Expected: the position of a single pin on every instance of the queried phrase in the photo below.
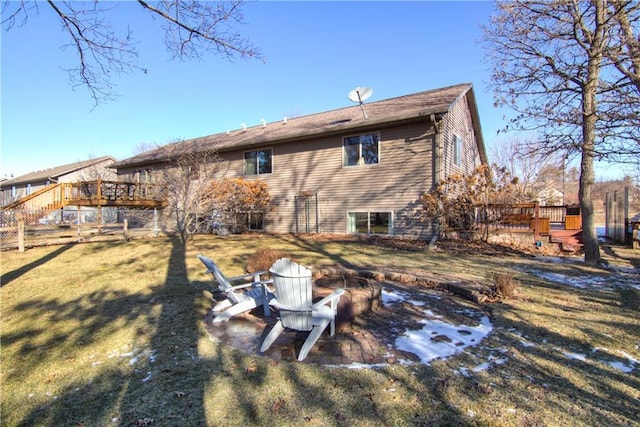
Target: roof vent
(264, 122)
(244, 126)
(339, 122)
(284, 121)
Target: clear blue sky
(316, 52)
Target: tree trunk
(589, 236)
(589, 119)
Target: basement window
(369, 223)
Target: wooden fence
(22, 229)
(617, 225)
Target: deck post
(155, 223)
(78, 219)
(21, 235)
(125, 228)
(99, 219)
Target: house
(548, 196)
(16, 188)
(359, 169)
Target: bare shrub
(263, 259)
(505, 286)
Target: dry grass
(264, 258)
(111, 333)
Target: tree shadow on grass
(152, 381)
(168, 392)
(7, 278)
(168, 383)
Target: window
(258, 162)
(457, 150)
(13, 191)
(251, 221)
(142, 176)
(361, 150)
(28, 189)
(369, 222)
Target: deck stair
(568, 240)
(88, 193)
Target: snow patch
(438, 339)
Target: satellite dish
(359, 95)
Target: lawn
(112, 333)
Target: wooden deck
(552, 223)
(97, 193)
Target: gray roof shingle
(53, 173)
(397, 109)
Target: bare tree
(515, 157)
(185, 182)
(192, 29)
(143, 147)
(559, 65)
(456, 202)
(98, 171)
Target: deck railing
(90, 193)
(526, 217)
(113, 191)
(50, 197)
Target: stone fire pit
(406, 328)
(361, 295)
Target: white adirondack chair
(238, 302)
(294, 289)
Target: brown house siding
(458, 122)
(308, 160)
(404, 172)
(315, 166)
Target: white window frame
(457, 150)
(360, 161)
(257, 173)
(249, 217)
(353, 229)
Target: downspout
(438, 171)
(438, 150)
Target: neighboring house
(341, 171)
(16, 188)
(549, 196)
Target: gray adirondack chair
(256, 292)
(294, 291)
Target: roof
(394, 110)
(54, 172)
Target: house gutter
(303, 134)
